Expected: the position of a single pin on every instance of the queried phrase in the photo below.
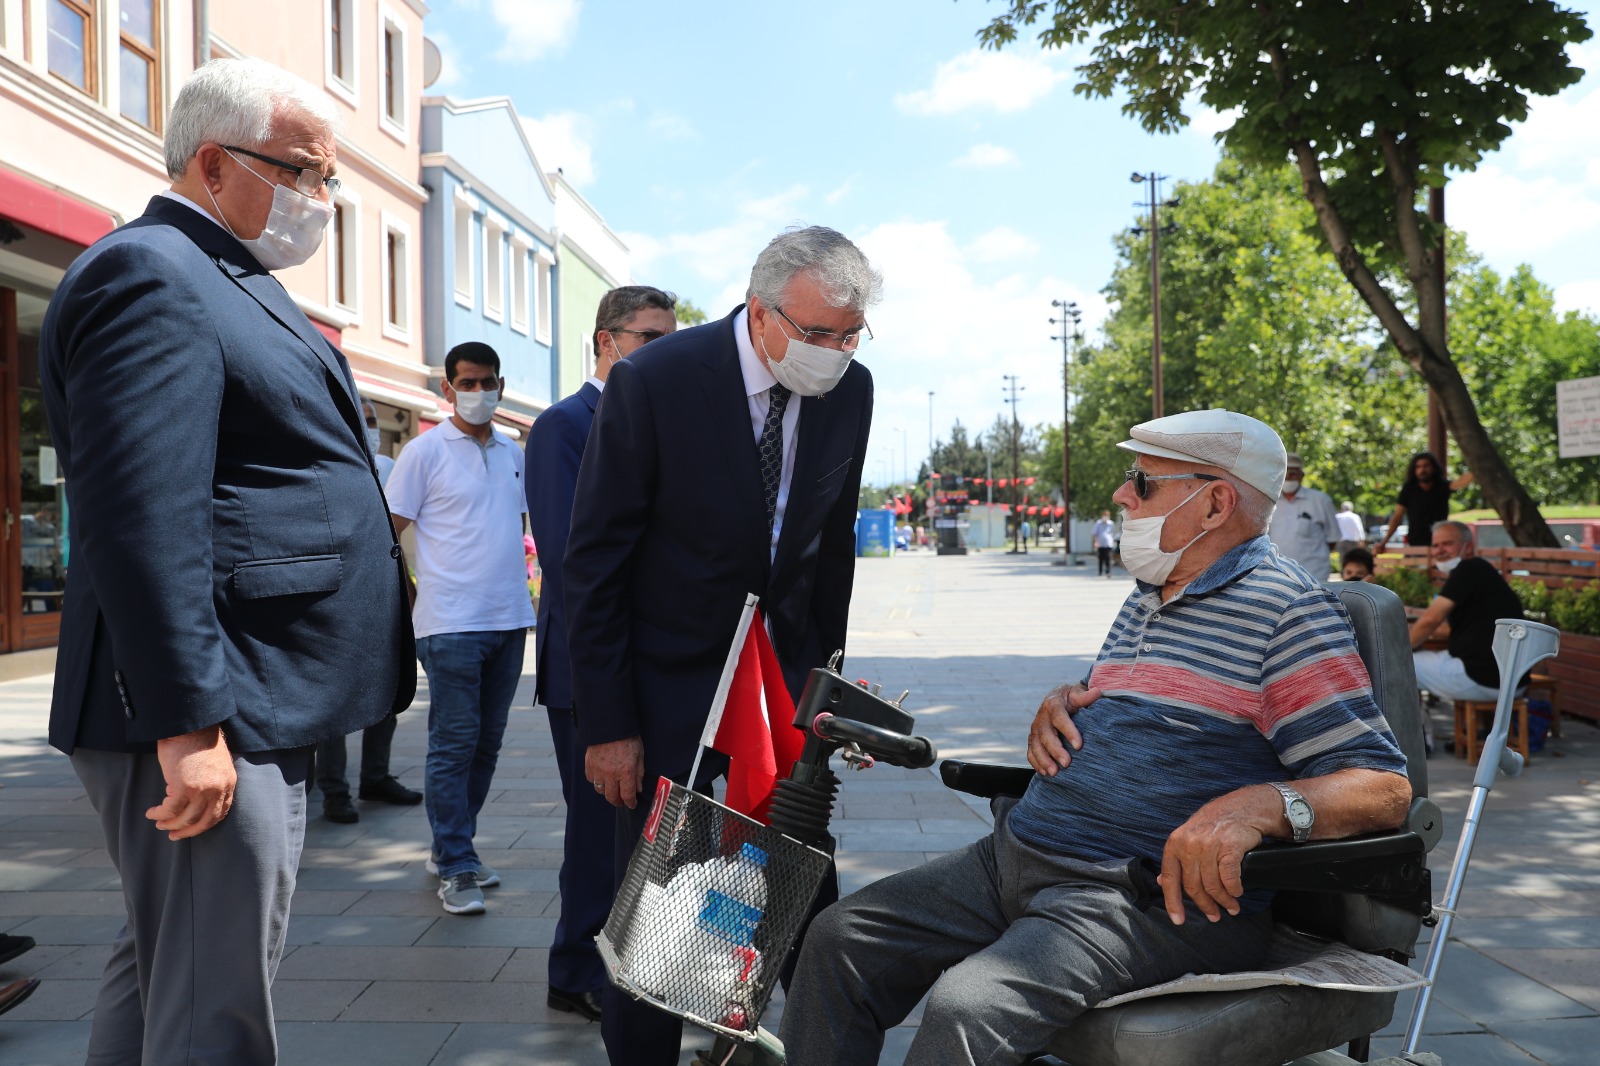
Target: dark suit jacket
(555, 448)
(669, 533)
(232, 557)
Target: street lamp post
(1152, 182)
(1019, 546)
(1069, 312)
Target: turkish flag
(757, 731)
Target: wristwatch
(1299, 813)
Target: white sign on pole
(1578, 417)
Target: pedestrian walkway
(375, 972)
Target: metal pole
(1016, 504)
(1156, 399)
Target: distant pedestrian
(627, 318)
(1424, 500)
(1357, 564)
(1352, 534)
(1303, 524)
(1105, 539)
(377, 783)
(236, 595)
(461, 483)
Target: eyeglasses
(307, 180)
(648, 334)
(1141, 480)
(848, 341)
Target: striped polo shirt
(1249, 675)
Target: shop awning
(52, 211)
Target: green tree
(688, 313)
(1373, 103)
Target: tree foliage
(1373, 102)
(688, 314)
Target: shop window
(71, 51)
(139, 62)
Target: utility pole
(930, 429)
(1018, 545)
(1069, 311)
(1152, 182)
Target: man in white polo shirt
(461, 485)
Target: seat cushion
(1258, 1027)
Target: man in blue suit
(628, 317)
(236, 592)
(724, 460)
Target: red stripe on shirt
(1162, 682)
(1339, 677)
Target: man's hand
(200, 780)
(616, 770)
(1053, 731)
(1205, 855)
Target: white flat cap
(1245, 447)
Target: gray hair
(843, 273)
(1460, 527)
(618, 306)
(242, 102)
(1255, 505)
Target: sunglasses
(1141, 480)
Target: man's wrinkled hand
(200, 780)
(1053, 731)
(616, 770)
(1204, 858)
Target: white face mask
(1291, 487)
(1141, 545)
(807, 369)
(1449, 564)
(373, 439)
(294, 228)
(477, 407)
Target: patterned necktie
(771, 450)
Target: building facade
(488, 235)
(592, 260)
(84, 89)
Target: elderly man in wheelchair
(1228, 707)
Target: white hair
(842, 272)
(1255, 505)
(242, 102)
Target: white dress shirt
(758, 382)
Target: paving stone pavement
(376, 973)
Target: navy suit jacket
(555, 448)
(233, 562)
(669, 533)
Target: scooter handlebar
(913, 753)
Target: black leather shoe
(340, 809)
(16, 992)
(12, 946)
(584, 1003)
(390, 790)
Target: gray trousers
(189, 980)
(1014, 943)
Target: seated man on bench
(1228, 705)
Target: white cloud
(1513, 215)
(1581, 296)
(452, 70)
(1002, 243)
(839, 193)
(719, 257)
(987, 155)
(561, 141)
(535, 27)
(1012, 80)
(671, 127)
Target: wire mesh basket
(709, 907)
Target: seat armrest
(1391, 866)
(985, 779)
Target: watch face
(1300, 815)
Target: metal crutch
(1518, 647)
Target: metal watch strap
(1290, 795)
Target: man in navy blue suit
(724, 460)
(236, 593)
(627, 318)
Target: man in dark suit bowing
(724, 460)
(236, 592)
(628, 317)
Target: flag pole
(719, 700)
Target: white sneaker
(488, 876)
(461, 894)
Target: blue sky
(978, 182)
